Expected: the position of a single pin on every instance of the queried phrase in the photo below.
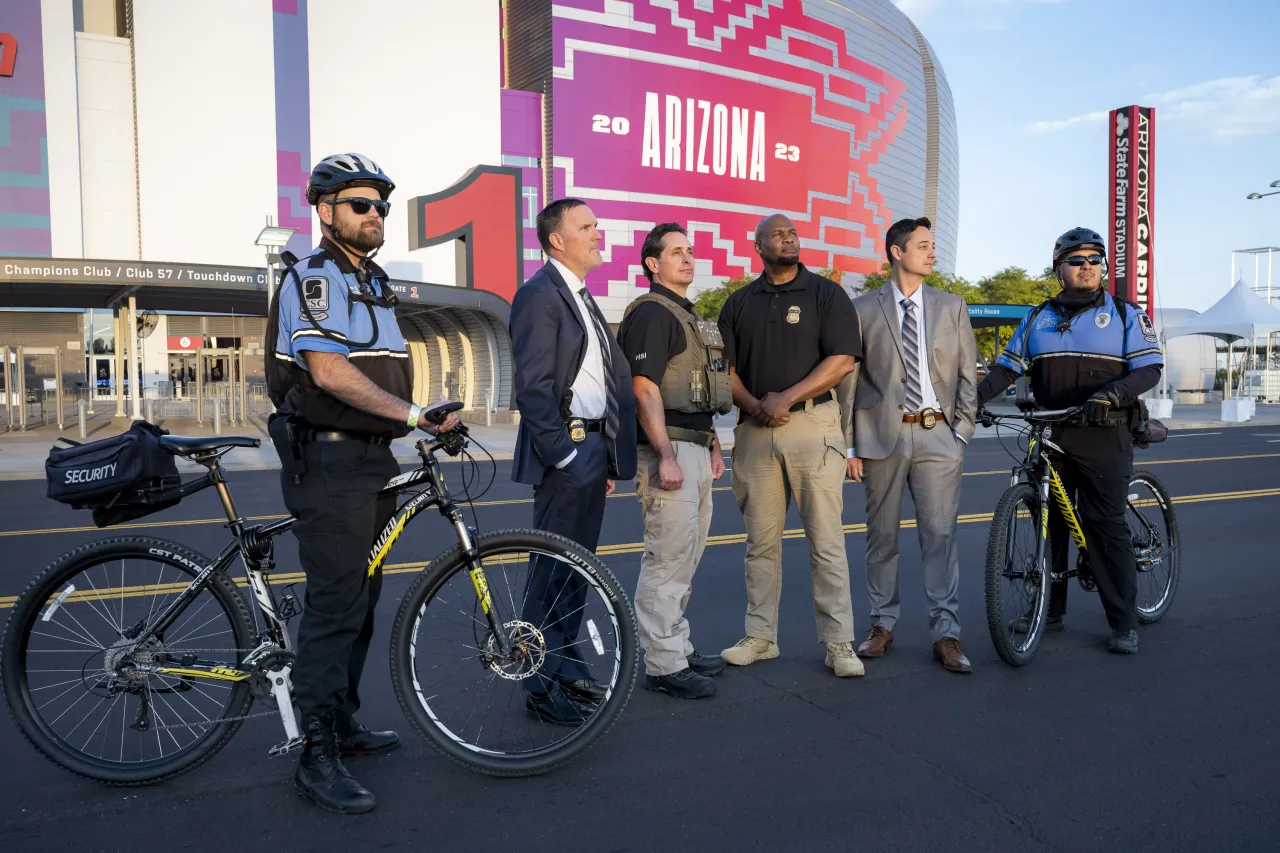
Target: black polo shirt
(651, 336)
(774, 336)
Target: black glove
(985, 418)
(1098, 410)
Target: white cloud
(1227, 108)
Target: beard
(785, 260)
(358, 237)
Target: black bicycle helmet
(341, 171)
(1077, 238)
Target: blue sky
(1033, 81)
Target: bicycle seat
(190, 446)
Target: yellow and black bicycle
(1018, 575)
(134, 659)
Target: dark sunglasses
(360, 206)
(1081, 260)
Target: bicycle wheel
(1153, 527)
(466, 697)
(70, 683)
(1017, 585)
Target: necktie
(911, 349)
(610, 383)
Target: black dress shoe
(585, 690)
(1124, 642)
(362, 742)
(685, 684)
(321, 776)
(558, 708)
(705, 664)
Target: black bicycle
(1017, 576)
(134, 659)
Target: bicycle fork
(480, 581)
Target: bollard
(81, 407)
(488, 408)
(150, 410)
(217, 416)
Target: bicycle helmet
(340, 171)
(1077, 238)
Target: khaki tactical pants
(805, 458)
(675, 533)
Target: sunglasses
(360, 206)
(1081, 260)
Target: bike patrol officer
(341, 380)
(681, 381)
(1086, 348)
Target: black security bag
(122, 477)
(1146, 429)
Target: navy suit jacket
(548, 344)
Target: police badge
(577, 431)
(793, 314)
(1102, 320)
(929, 418)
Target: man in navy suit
(577, 436)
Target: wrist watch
(414, 412)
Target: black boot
(321, 775)
(357, 739)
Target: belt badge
(928, 418)
(793, 314)
(577, 431)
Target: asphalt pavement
(1172, 749)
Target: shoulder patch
(1102, 319)
(1148, 328)
(315, 290)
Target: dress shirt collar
(917, 298)
(575, 283)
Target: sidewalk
(22, 455)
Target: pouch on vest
(111, 470)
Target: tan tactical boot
(842, 660)
(748, 650)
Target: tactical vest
(696, 380)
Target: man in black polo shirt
(681, 381)
(790, 337)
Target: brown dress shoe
(952, 656)
(879, 640)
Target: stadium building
(151, 152)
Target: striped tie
(610, 383)
(911, 348)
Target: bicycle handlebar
(1047, 416)
(450, 442)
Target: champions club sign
(1133, 173)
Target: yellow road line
(638, 547)
(147, 525)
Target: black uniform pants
(339, 516)
(570, 502)
(1096, 472)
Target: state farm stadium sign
(697, 119)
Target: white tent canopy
(1241, 314)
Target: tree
(709, 302)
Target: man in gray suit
(914, 405)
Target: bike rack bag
(129, 470)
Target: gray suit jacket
(874, 416)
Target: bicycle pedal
(286, 747)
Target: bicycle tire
(1014, 497)
(447, 565)
(28, 608)
(1155, 614)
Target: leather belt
(824, 397)
(693, 436)
(593, 426)
(327, 435)
(918, 417)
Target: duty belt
(306, 436)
